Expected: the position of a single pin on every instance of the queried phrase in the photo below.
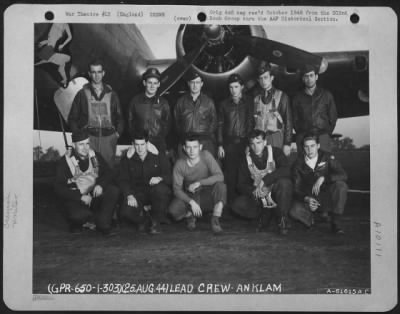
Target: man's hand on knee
(132, 201)
(196, 210)
(311, 203)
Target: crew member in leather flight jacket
(314, 109)
(235, 118)
(272, 112)
(96, 108)
(195, 114)
(83, 183)
(319, 184)
(150, 112)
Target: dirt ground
(300, 263)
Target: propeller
(176, 70)
(216, 49)
(278, 53)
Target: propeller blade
(176, 70)
(278, 53)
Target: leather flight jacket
(304, 177)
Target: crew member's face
(257, 145)
(265, 80)
(311, 148)
(192, 149)
(96, 73)
(235, 89)
(310, 79)
(140, 147)
(195, 85)
(82, 148)
(151, 85)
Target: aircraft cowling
(220, 58)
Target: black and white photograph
(190, 158)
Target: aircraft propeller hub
(214, 32)
(220, 54)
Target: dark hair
(191, 137)
(310, 135)
(140, 135)
(256, 133)
(94, 62)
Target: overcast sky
(313, 39)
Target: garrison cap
(151, 72)
(307, 68)
(191, 75)
(235, 78)
(80, 135)
(264, 67)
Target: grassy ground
(300, 262)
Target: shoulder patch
(332, 157)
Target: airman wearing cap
(150, 112)
(83, 176)
(272, 112)
(314, 109)
(195, 113)
(234, 124)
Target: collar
(240, 100)
(269, 91)
(264, 155)
(197, 99)
(312, 163)
(137, 158)
(106, 89)
(77, 157)
(152, 98)
(317, 91)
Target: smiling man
(198, 185)
(96, 108)
(319, 183)
(150, 112)
(83, 183)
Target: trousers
(275, 139)
(282, 193)
(334, 197)
(206, 197)
(234, 153)
(158, 196)
(100, 210)
(106, 146)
